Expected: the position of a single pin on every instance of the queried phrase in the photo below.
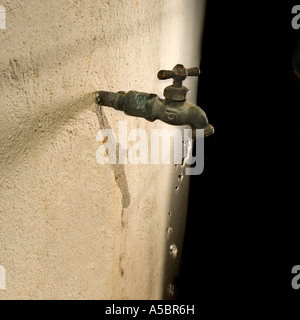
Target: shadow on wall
(39, 128)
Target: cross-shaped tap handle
(177, 92)
(179, 73)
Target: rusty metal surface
(174, 110)
(177, 92)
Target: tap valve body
(174, 110)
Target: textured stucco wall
(71, 228)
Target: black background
(243, 231)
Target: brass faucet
(174, 109)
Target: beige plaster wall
(71, 228)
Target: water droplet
(173, 250)
(169, 230)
